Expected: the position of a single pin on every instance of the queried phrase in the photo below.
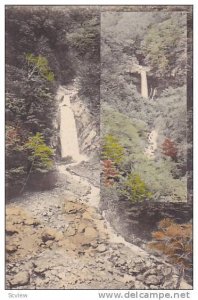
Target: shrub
(135, 188)
(109, 173)
(175, 241)
(112, 149)
(38, 64)
(169, 149)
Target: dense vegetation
(45, 47)
(159, 41)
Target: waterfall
(144, 85)
(68, 130)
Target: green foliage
(38, 64)
(125, 129)
(172, 122)
(135, 188)
(84, 44)
(159, 42)
(112, 149)
(30, 102)
(46, 47)
(40, 155)
(156, 174)
(85, 39)
(165, 48)
(16, 160)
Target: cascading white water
(68, 130)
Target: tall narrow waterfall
(144, 85)
(68, 130)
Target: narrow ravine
(59, 239)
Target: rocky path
(59, 239)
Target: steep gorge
(51, 235)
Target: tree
(109, 172)
(169, 149)
(38, 65)
(175, 241)
(16, 160)
(40, 156)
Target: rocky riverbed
(58, 239)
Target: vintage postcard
(98, 149)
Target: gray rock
(120, 262)
(169, 285)
(137, 269)
(153, 271)
(140, 277)
(114, 246)
(101, 248)
(94, 244)
(41, 267)
(154, 287)
(153, 280)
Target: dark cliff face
(136, 221)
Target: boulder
(41, 267)
(71, 207)
(71, 231)
(90, 233)
(31, 221)
(20, 279)
(101, 248)
(153, 280)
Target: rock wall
(88, 131)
